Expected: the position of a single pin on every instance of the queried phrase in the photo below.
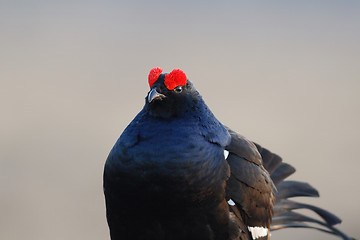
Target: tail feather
(272, 160)
(288, 205)
(283, 171)
(284, 215)
(290, 217)
(304, 225)
(296, 220)
(288, 189)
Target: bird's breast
(168, 166)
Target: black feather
(288, 205)
(288, 189)
(270, 160)
(297, 220)
(282, 172)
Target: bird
(176, 172)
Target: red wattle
(176, 78)
(154, 75)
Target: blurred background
(74, 73)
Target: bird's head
(171, 94)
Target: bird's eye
(178, 89)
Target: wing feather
(249, 185)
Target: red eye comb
(154, 75)
(176, 78)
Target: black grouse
(176, 172)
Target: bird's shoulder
(198, 127)
(197, 135)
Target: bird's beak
(153, 94)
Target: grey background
(74, 73)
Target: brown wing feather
(249, 185)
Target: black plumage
(167, 178)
